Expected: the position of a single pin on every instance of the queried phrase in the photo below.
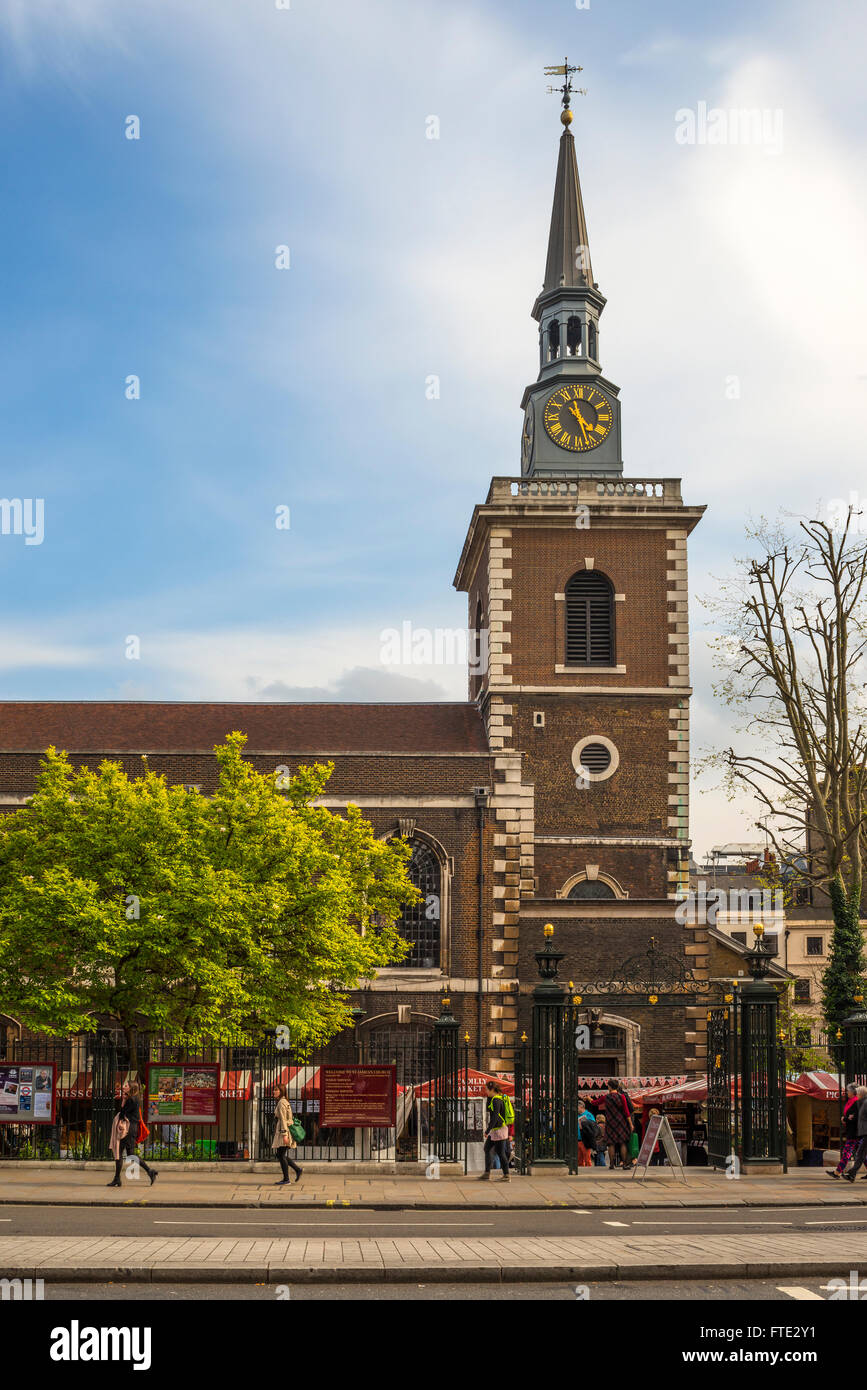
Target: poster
(27, 1093)
(183, 1093)
(358, 1096)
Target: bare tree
(792, 647)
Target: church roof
(167, 726)
(568, 244)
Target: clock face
(527, 436)
(578, 418)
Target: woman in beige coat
(283, 1140)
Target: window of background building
(815, 946)
(773, 940)
(740, 937)
(802, 991)
(802, 1037)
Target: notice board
(183, 1093)
(358, 1096)
(28, 1093)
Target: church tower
(579, 577)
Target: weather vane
(565, 70)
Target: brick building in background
(559, 791)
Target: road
(790, 1291)
(46, 1220)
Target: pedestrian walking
(284, 1139)
(849, 1135)
(125, 1130)
(588, 1135)
(618, 1124)
(497, 1130)
(861, 1151)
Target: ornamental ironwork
(652, 974)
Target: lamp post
(548, 1096)
(445, 1084)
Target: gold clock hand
(580, 418)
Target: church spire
(568, 260)
(571, 411)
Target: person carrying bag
(285, 1135)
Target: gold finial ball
(548, 930)
(758, 929)
(566, 116)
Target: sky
(172, 384)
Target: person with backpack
(500, 1113)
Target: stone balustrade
(586, 489)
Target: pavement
(287, 1261)
(556, 1253)
(24, 1184)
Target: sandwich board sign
(658, 1132)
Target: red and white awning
(820, 1084)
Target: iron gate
(722, 1108)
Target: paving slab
(436, 1260)
(704, 1189)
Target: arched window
(589, 620)
(591, 340)
(591, 888)
(420, 921)
(553, 340)
(573, 337)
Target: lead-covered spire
(568, 260)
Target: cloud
(361, 684)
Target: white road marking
(804, 1295)
(852, 1221)
(700, 1221)
(329, 1225)
(615, 1223)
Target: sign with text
(358, 1096)
(658, 1132)
(183, 1093)
(28, 1093)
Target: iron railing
(430, 1118)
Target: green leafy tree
(134, 901)
(792, 646)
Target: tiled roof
(151, 727)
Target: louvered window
(589, 620)
(595, 757)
